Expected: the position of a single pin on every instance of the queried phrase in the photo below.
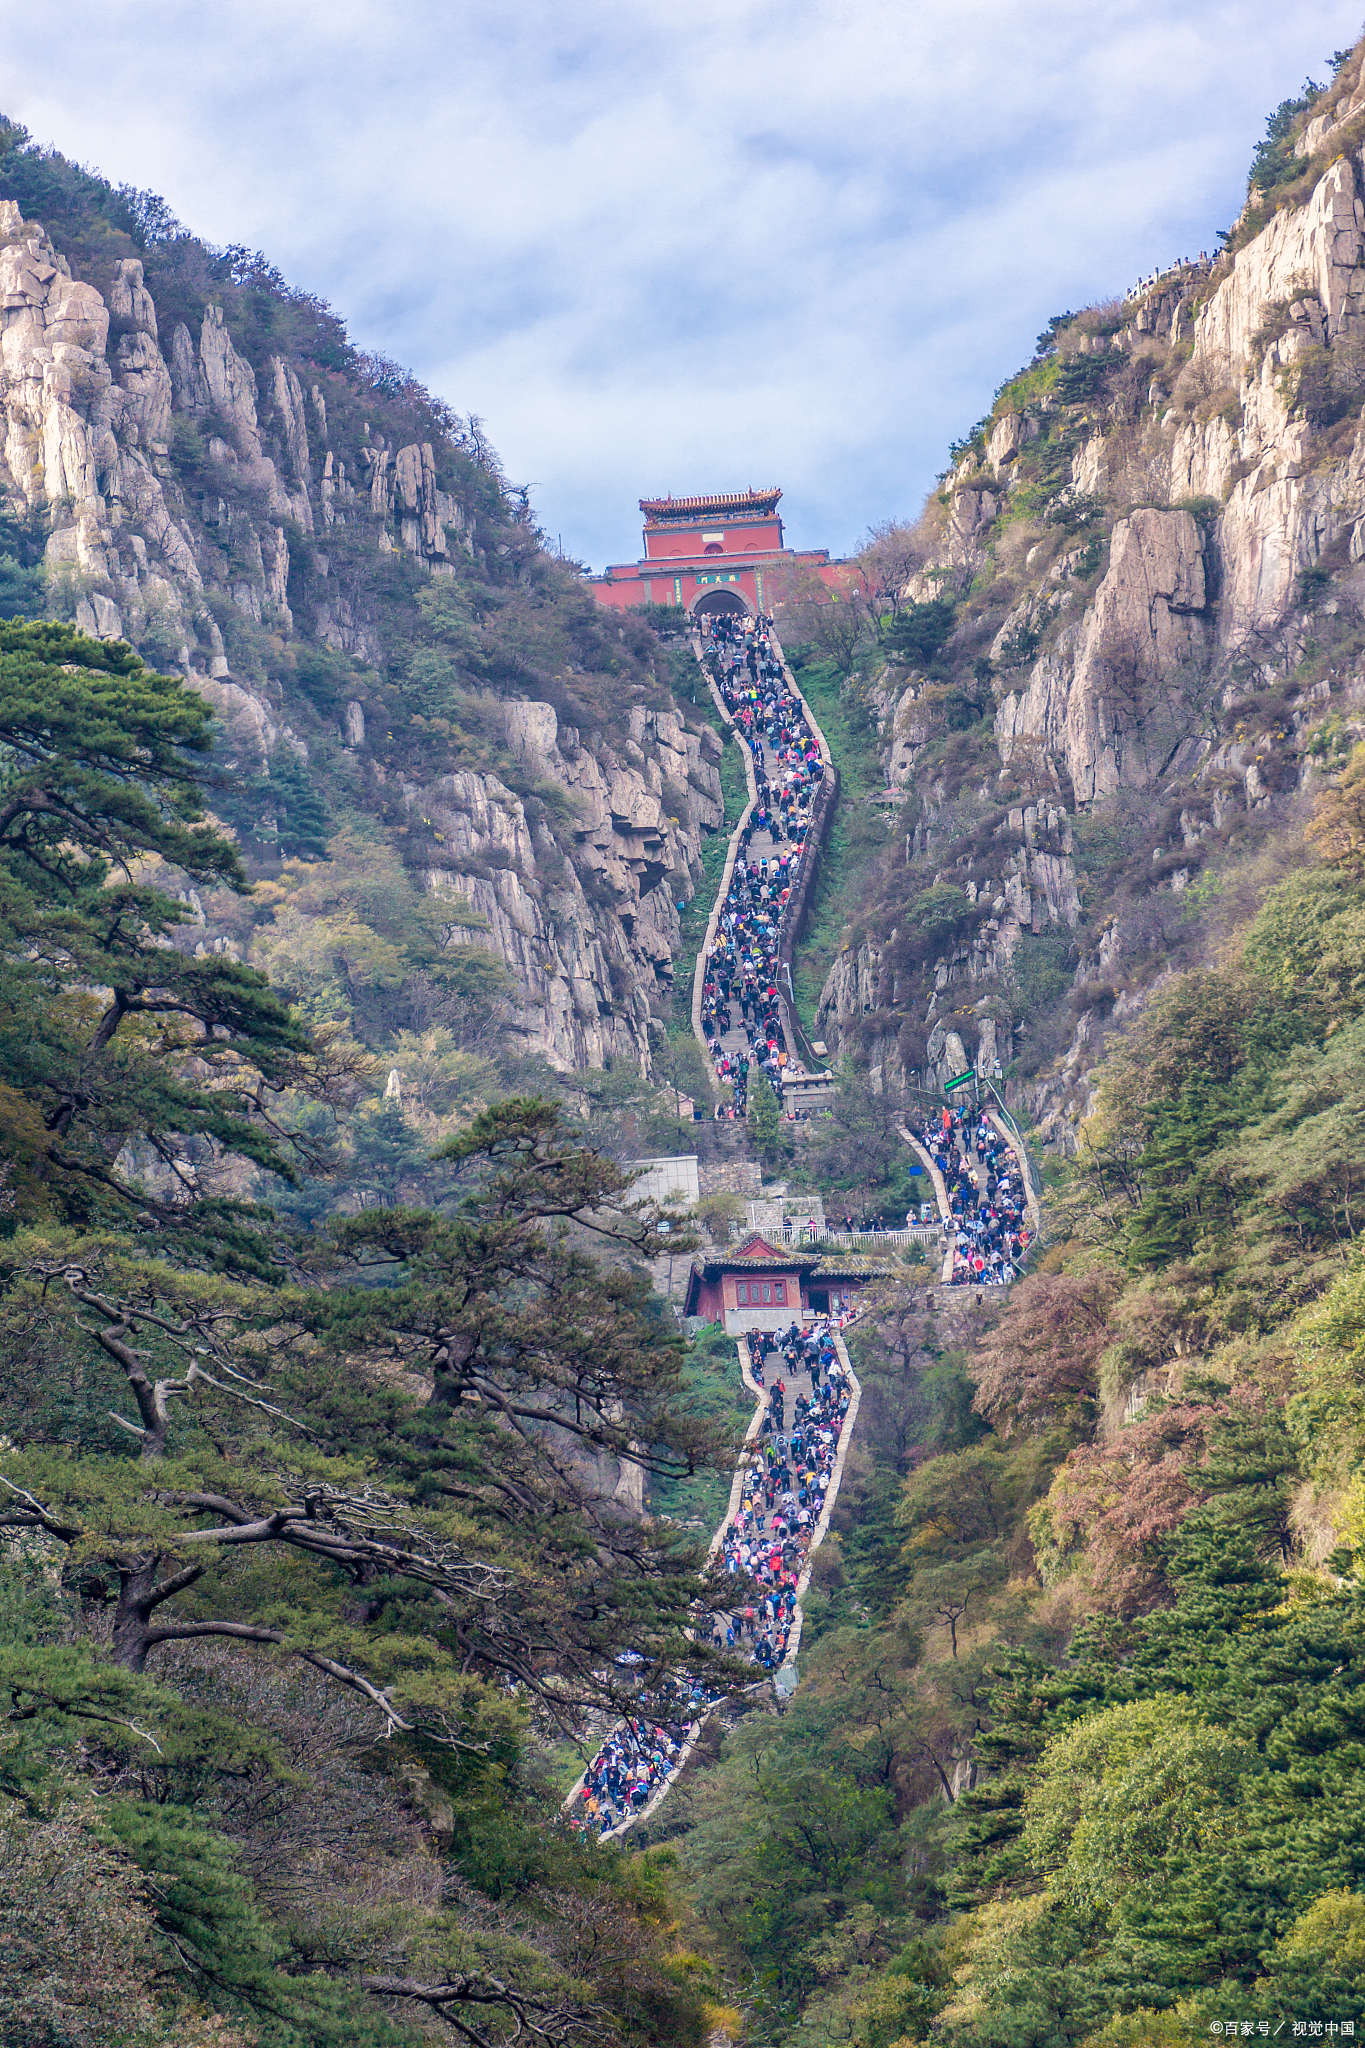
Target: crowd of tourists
(787, 1475)
(787, 1471)
(739, 992)
(1173, 271)
(788, 1465)
(637, 1756)
(985, 1196)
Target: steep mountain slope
(1076, 1756)
(196, 459)
(1138, 599)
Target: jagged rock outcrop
(169, 478)
(1205, 455)
(1307, 253)
(588, 985)
(1109, 699)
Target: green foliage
(1187, 1810)
(973, 442)
(282, 812)
(939, 914)
(1164, 1823)
(386, 1155)
(854, 838)
(858, 1153)
(956, 1507)
(1074, 511)
(1320, 1962)
(1081, 378)
(1042, 969)
(1047, 341)
(789, 1853)
(23, 583)
(668, 620)
(1020, 644)
(919, 630)
(1275, 161)
(764, 1116)
(78, 1962)
(1103, 1652)
(1299, 1164)
(101, 771)
(469, 1494)
(1328, 1405)
(348, 936)
(302, 821)
(1241, 1123)
(214, 1937)
(295, 1596)
(1019, 392)
(1124, 1794)
(714, 1392)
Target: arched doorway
(725, 599)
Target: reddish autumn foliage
(1040, 1362)
(1117, 1501)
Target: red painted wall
(744, 536)
(629, 583)
(710, 1304)
(791, 1286)
(743, 556)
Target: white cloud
(678, 247)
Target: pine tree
(388, 1487)
(301, 815)
(764, 1116)
(111, 1035)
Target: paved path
(735, 1042)
(964, 1152)
(784, 1676)
(643, 1734)
(762, 846)
(744, 939)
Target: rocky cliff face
(589, 983)
(1152, 548)
(227, 517)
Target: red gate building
(760, 1286)
(721, 553)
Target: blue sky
(687, 247)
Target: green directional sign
(959, 1080)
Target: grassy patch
(692, 921)
(855, 835)
(714, 1391)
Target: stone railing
(732, 852)
(798, 903)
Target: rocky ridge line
(1223, 499)
(91, 405)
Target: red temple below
(759, 1286)
(721, 553)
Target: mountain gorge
(1141, 570)
(357, 1464)
(198, 461)
(1075, 1757)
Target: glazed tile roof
(851, 1266)
(716, 506)
(755, 1252)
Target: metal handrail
(1026, 1157)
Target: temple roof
(851, 1266)
(755, 1254)
(723, 505)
